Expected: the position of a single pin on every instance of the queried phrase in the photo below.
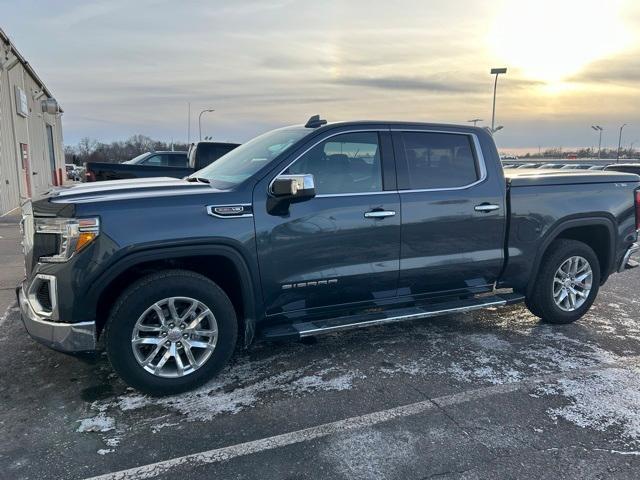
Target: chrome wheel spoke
(189, 354)
(201, 333)
(150, 328)
(199, 344)
(172, 309)
(153, 354)
(147, 341)
(192, 308)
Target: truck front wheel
(567, 283)
(170, 332)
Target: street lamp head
(497, 71)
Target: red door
(26, 168)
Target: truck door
(453, 214)
(343, 245)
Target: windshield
(136, 159)
(241, 163)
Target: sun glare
(550, 40)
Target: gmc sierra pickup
(312, 229)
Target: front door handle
(486, 207)
(379, 214)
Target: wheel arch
(222, 264)
(598, 232)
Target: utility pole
(598, 129)
(200, 121)
(619, 142)
(496, 72)
(188, 123)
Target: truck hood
(125, 189)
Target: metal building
(31, 149)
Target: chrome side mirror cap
(294, 186)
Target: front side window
(347, 163)
(439, 160)
(156, 161)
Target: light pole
(598, 129)
(619, 141)
(200, 121)
(475, 121)
(496, 72)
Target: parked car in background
(313, 229)
(528, 165)
(597, 167)
(576, 166)
(160, 164)
(624, 167)
(69, 169)
(552, 166)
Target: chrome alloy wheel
(572, 283)
(174, 337)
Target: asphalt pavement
(492, 394)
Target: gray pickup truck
(313, 229)
(159, 164)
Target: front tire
(567, 283)
(170, 332)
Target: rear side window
(439, 160)
(177, 160)
(347, 163)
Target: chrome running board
(324, 326)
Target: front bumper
(627, 262)
(65, 337)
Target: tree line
(608, 153)
(90, 150)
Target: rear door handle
(379, 214)
(486, 207)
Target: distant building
(31, 150)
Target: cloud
(623, 70)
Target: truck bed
(536, 177)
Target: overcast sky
(120, 67)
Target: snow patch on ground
(99, 423)
(609, 398)
(244, 385)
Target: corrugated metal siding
(9, 174)
(32, 131)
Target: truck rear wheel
(170, 332)
(567, 283)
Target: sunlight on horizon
(551, 40)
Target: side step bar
(320, 327)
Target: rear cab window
(436, 160)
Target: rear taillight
(637, 199)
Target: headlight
(73, 235)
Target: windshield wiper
(198, 179)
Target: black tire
(541, 302)
(142, 294)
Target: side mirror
(293, 186)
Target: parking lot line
(363, 421)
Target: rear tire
(567, 283)
(161, 316)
